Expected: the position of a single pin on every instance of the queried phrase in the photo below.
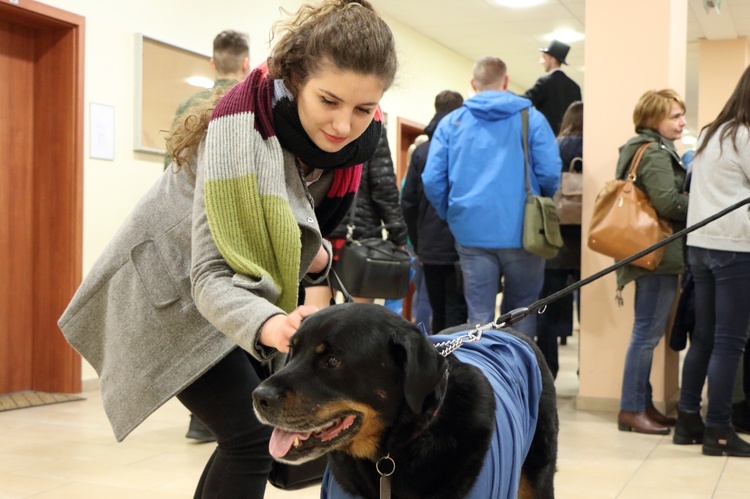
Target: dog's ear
(423, 366)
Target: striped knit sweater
(245, 189)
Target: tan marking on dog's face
(364, 444)
(320, 348)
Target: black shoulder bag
(372, 267)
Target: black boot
(689, 428)
(198, 431)
(723, 441)
(741, 416)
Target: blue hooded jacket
(475, 168)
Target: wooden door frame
(406, 132)
(57, 187)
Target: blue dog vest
(511, 368)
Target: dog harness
(511, 367)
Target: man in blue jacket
(475, 180)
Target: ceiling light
(515, 4)
(565, 35)
(200, 81)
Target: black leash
(521, 313)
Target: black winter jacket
(430, 235)
(377, 198)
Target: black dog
(362, 383)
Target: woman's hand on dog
(279, 329)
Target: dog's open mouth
(291, 446)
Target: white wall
(111, 188)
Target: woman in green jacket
(659, 118)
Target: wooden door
(41, 172)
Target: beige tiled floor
(67, 451)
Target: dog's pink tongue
(282, 441)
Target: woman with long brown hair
(557, 321)
(198, 291)
(719, 258)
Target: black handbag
(294, 476)
(372, 267)
(684, 320)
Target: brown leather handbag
(624, 222)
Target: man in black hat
(555, 91)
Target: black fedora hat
(558, 50)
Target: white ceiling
(473, 28)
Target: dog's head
(351, 371)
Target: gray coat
(161, 306)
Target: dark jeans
(446, 300)
(222, 400)
(722, 286)
(557, 319)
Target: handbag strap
(636, 161)
(331, 276)
(571, 168)
(350, 219)
(525, 139)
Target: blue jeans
(654, 297)
(482, 269)
(722, 286)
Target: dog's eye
(333, 362)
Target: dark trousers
(446, 300)
(557, 319)
(222, 400)
(722, 285)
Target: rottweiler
(369, 389)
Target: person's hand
(320, 262)
(279, 329)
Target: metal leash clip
(448, 347)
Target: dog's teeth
(296, 441)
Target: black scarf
(293, 138)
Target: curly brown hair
(347, 33)
(186, 135)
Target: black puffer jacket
(377, 199)
(430, 235)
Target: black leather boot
(723, 441)
(689, 428)
(741, 416)
(198, 431)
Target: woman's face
(671, 127)
(336, 107)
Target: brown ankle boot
(639, 422)
(656, 416)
